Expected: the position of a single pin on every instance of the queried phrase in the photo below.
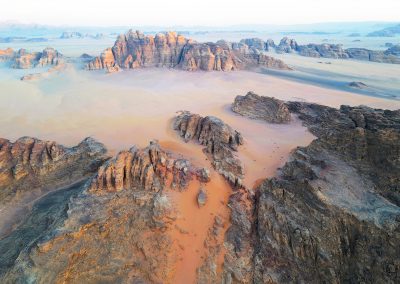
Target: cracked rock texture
(134, 50)
(220, 139)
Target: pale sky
(196, 12)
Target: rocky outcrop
(29, 164)
(358, 85)
(120, 228)
(386, 32)
(134, 50)
(148, 169)
(287, 45)
(257, 107)
(25, 60)
(220, 139)
(6, 54)
(336, 51)
(344, 185)
(323, 50)
(373, 55)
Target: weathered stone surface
(220, 141)
(150, 169)
(25, 60)
(344, 185)
(287, 45)
(116, 230)
(29, 163)
(264, 108)
(134, 50)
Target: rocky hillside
(134, 50)
(332, 214)
(30, 167)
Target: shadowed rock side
(220, 141)
(134, 50)
(332, 214)
(30, 167)
(117, 231)
(269, 109)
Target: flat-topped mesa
(24, 60)
(220, 141)
(265, 108)
(150, 168)
(134, 50)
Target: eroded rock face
(118, 229)
(220, 141)
(134, 50)
(332, 213)
(257, 107)
(29, 163)
(148, 169)
(25, 60)
(30, 168)
(6, 54)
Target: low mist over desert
(163, 148)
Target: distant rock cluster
(69, 35)
(135, 50)
(22, 59)
(386, 32)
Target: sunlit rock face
(220, 139)
(134, 50)
(25, 60)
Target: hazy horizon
(207, 13)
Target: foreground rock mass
(119, 228)
(257, 107)
(134, 50)
(332, 214)
(220, 139)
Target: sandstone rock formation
(24, 60)
(148, 169)
(344, 185)
(120, 229)
(358, 85)
(6, 54)
(30, 168)
(220, 141)
(257, 107)
(134, 50)
(391, 55)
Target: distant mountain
(386, 32)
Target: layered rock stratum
(265, 108)
(220, 139)
(23, 59)
(134, 50)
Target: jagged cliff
(220, 141)
(134, 50)
(332, 214)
